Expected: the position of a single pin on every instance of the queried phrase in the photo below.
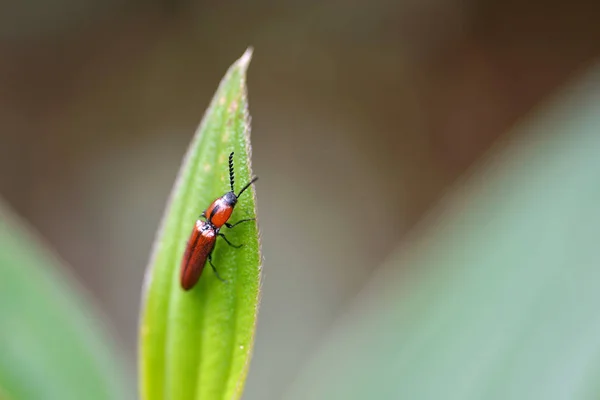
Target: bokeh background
(364, 114)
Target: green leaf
(52, 345)
(498, 296)
(197, 344)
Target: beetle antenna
(231, 176)
(248, 185)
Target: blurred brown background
(364, 113)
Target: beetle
(205, 232)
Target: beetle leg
(239, 222)
(229, 243)
(215, 269)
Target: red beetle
(204, 235)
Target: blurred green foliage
(497, 296)
(52, 344)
